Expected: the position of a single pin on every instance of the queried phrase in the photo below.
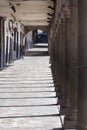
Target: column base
(70, 120)
(70, 124)
(72, 114)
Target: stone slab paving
(27, 96)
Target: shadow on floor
(30, 116)
(39, 46)
(36, 53)
(42, 105)
(58, 129)
(27, 97)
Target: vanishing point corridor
(27, 94)
(43, 64)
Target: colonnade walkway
(27, 94)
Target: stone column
(1, 42)
(62, 91)
(59, 58)
(19, 44)
(82, 65)
(55, 69)
(5, 40)
(8, 51)
(55, 64)
(71, 117)
(60, 62)
(66, 102)
(52, 54)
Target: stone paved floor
(27, 96)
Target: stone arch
(33, 28)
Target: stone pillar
(65, 103)
(54, 62)
(52, 57)
(19, 44)
(1, 42)
(62, 91)
(50, 49)
(8, 51)
(71, 117)
(82, 65)
(58, 56)
(19, 40)
(5, 40)
(59, 59)
(55, 57)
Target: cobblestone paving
(27, 96)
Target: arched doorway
(36, 39)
